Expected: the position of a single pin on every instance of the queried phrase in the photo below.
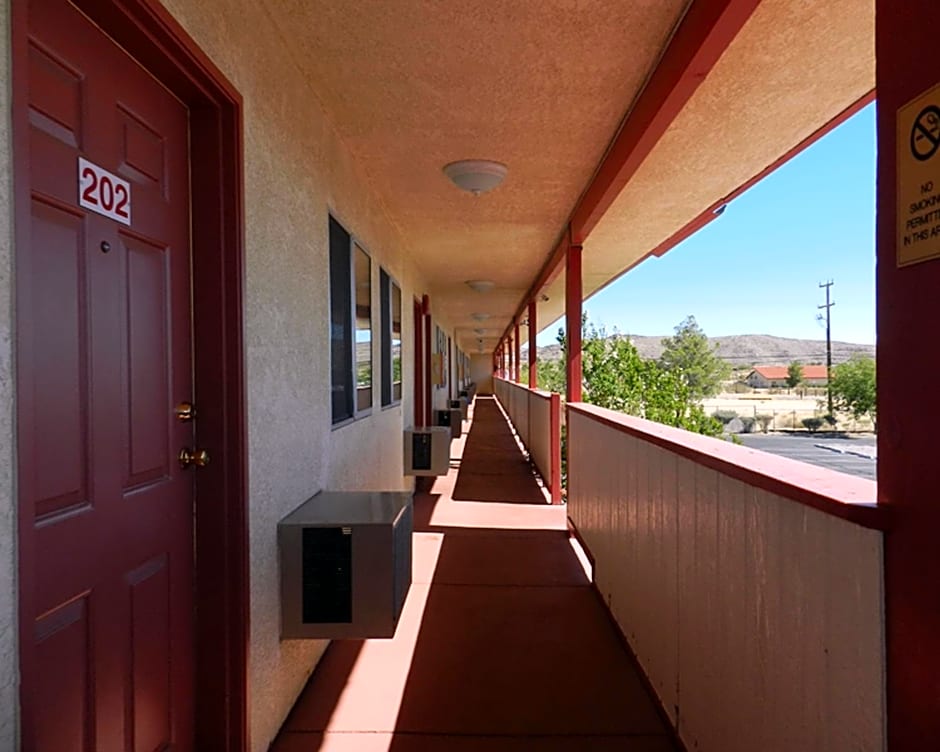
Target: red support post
(555, 444)
(517, 353)
(907, 321)
(533, 330)
(509, 352)
(573, 300)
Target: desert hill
(743, 350)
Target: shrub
(765, 421)
(747, 424)
(812, 424)
(725, 416)
(830, 419)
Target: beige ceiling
(543, 85)
(795, 66)
(538, 84)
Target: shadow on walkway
(493, 468)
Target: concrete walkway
(503, 644)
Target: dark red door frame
(160, 44)
(419, 365)
(428, 349)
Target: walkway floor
(502, 646)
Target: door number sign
(918, 155)
(103, 192)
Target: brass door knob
(184, 412)
(193, 457)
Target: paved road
(854, 456)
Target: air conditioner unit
(461, 404)
(345, 565)
(453, 419)
(427, 450)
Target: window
(396, 343)
(340, 323)
(350, 346)
(390, 302)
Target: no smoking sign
(918, 215)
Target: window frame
(351, 327)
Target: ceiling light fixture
(480, 285)
(476, 176)
(479, 316)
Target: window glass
(363, 278)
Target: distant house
(764, 377)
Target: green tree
(616, 377)
(794, 374)
(853, 387)
(689, 353)
(550, 375)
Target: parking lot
(855, 456)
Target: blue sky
(756, 269)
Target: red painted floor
(503, 645)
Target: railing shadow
(493, 468)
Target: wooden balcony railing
(749, 586)
(536, 416)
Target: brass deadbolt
(184, 412)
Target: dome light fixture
(476, 176)
(480, 285)
(479, 316)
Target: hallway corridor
(502, 645)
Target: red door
(107, 511)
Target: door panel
(109, 340)
(64, 672)
(59, 374)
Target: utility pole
(828, 306)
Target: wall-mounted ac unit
(453, 419)
(427, 450)
(345, 565)
(461, 404)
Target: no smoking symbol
(925, 135)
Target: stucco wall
(296, 171)
(8, 645)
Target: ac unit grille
(421, 451)
(326, 575)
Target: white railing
(536, 416)
(748, 585)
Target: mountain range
(744, 350)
